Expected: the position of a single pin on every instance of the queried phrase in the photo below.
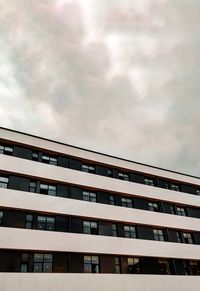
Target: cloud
(91, 73)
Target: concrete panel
(27, 281)
(56, 205)
(12, 282)
(59, 174)
(25, 239)
(2, 275)
(99, 282)
(88, 155)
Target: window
(192, 268)
(88, 168)
(123, 176)
(35, 156)
(114, 229)
(90, 227)
(29, 221)
(149, 181)
(91, 264)
(178, 236)
(43, 263)
(1, 217)
(133, 265)
(89, 196)
(198, 191)
(109, 173)
(3, 182)
(187, 238)
(164, 266)
(24, 263)
(153, 206)
(117, 265)
(174, 187)
(112, 200)
(45, 223)
(6, 150)
(158, 234)
(172, 208)
(49, 160)
(165, 185)
(32, 186)
(126, 202)
(130, 231)
(180, 211)
(48, 189)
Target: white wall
(59, 174)
(29, 239)
(57, 205)
(84, 154)
(96, 282)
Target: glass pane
(117, 269)
(50, 226)
(93, 224)
(24, 268)
(130, 261)
(29, 217)
(95, 268)
(43, 186)
(95, 259)
(1, 214)
(50, 219)
(87, 230)
(93, 199)
(3, 185)
(117, 260)
(92, 194)
(86, 224)
(87, 259)
(52, 193)
(86, 198)
(87, 268)
(38, 257)
(52, 187)
(42, 225)
(41, 219)
(28, 225)
(48, 257)
(47, 268)
(4, 179)
(37, 267)
(9, 149)
(46, 158)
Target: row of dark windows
(61, 190)
(58, 262)
(76, 164)
(73, 224)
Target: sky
(119, 77)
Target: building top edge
(99, 153)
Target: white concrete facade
(97, 282)
(51, 241)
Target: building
(67, 212)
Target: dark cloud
(120, 76)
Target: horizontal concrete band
(59, 174)
(96, 282)
(56, 205)
(26, 239)
(88, 155)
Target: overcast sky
(120, 77)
